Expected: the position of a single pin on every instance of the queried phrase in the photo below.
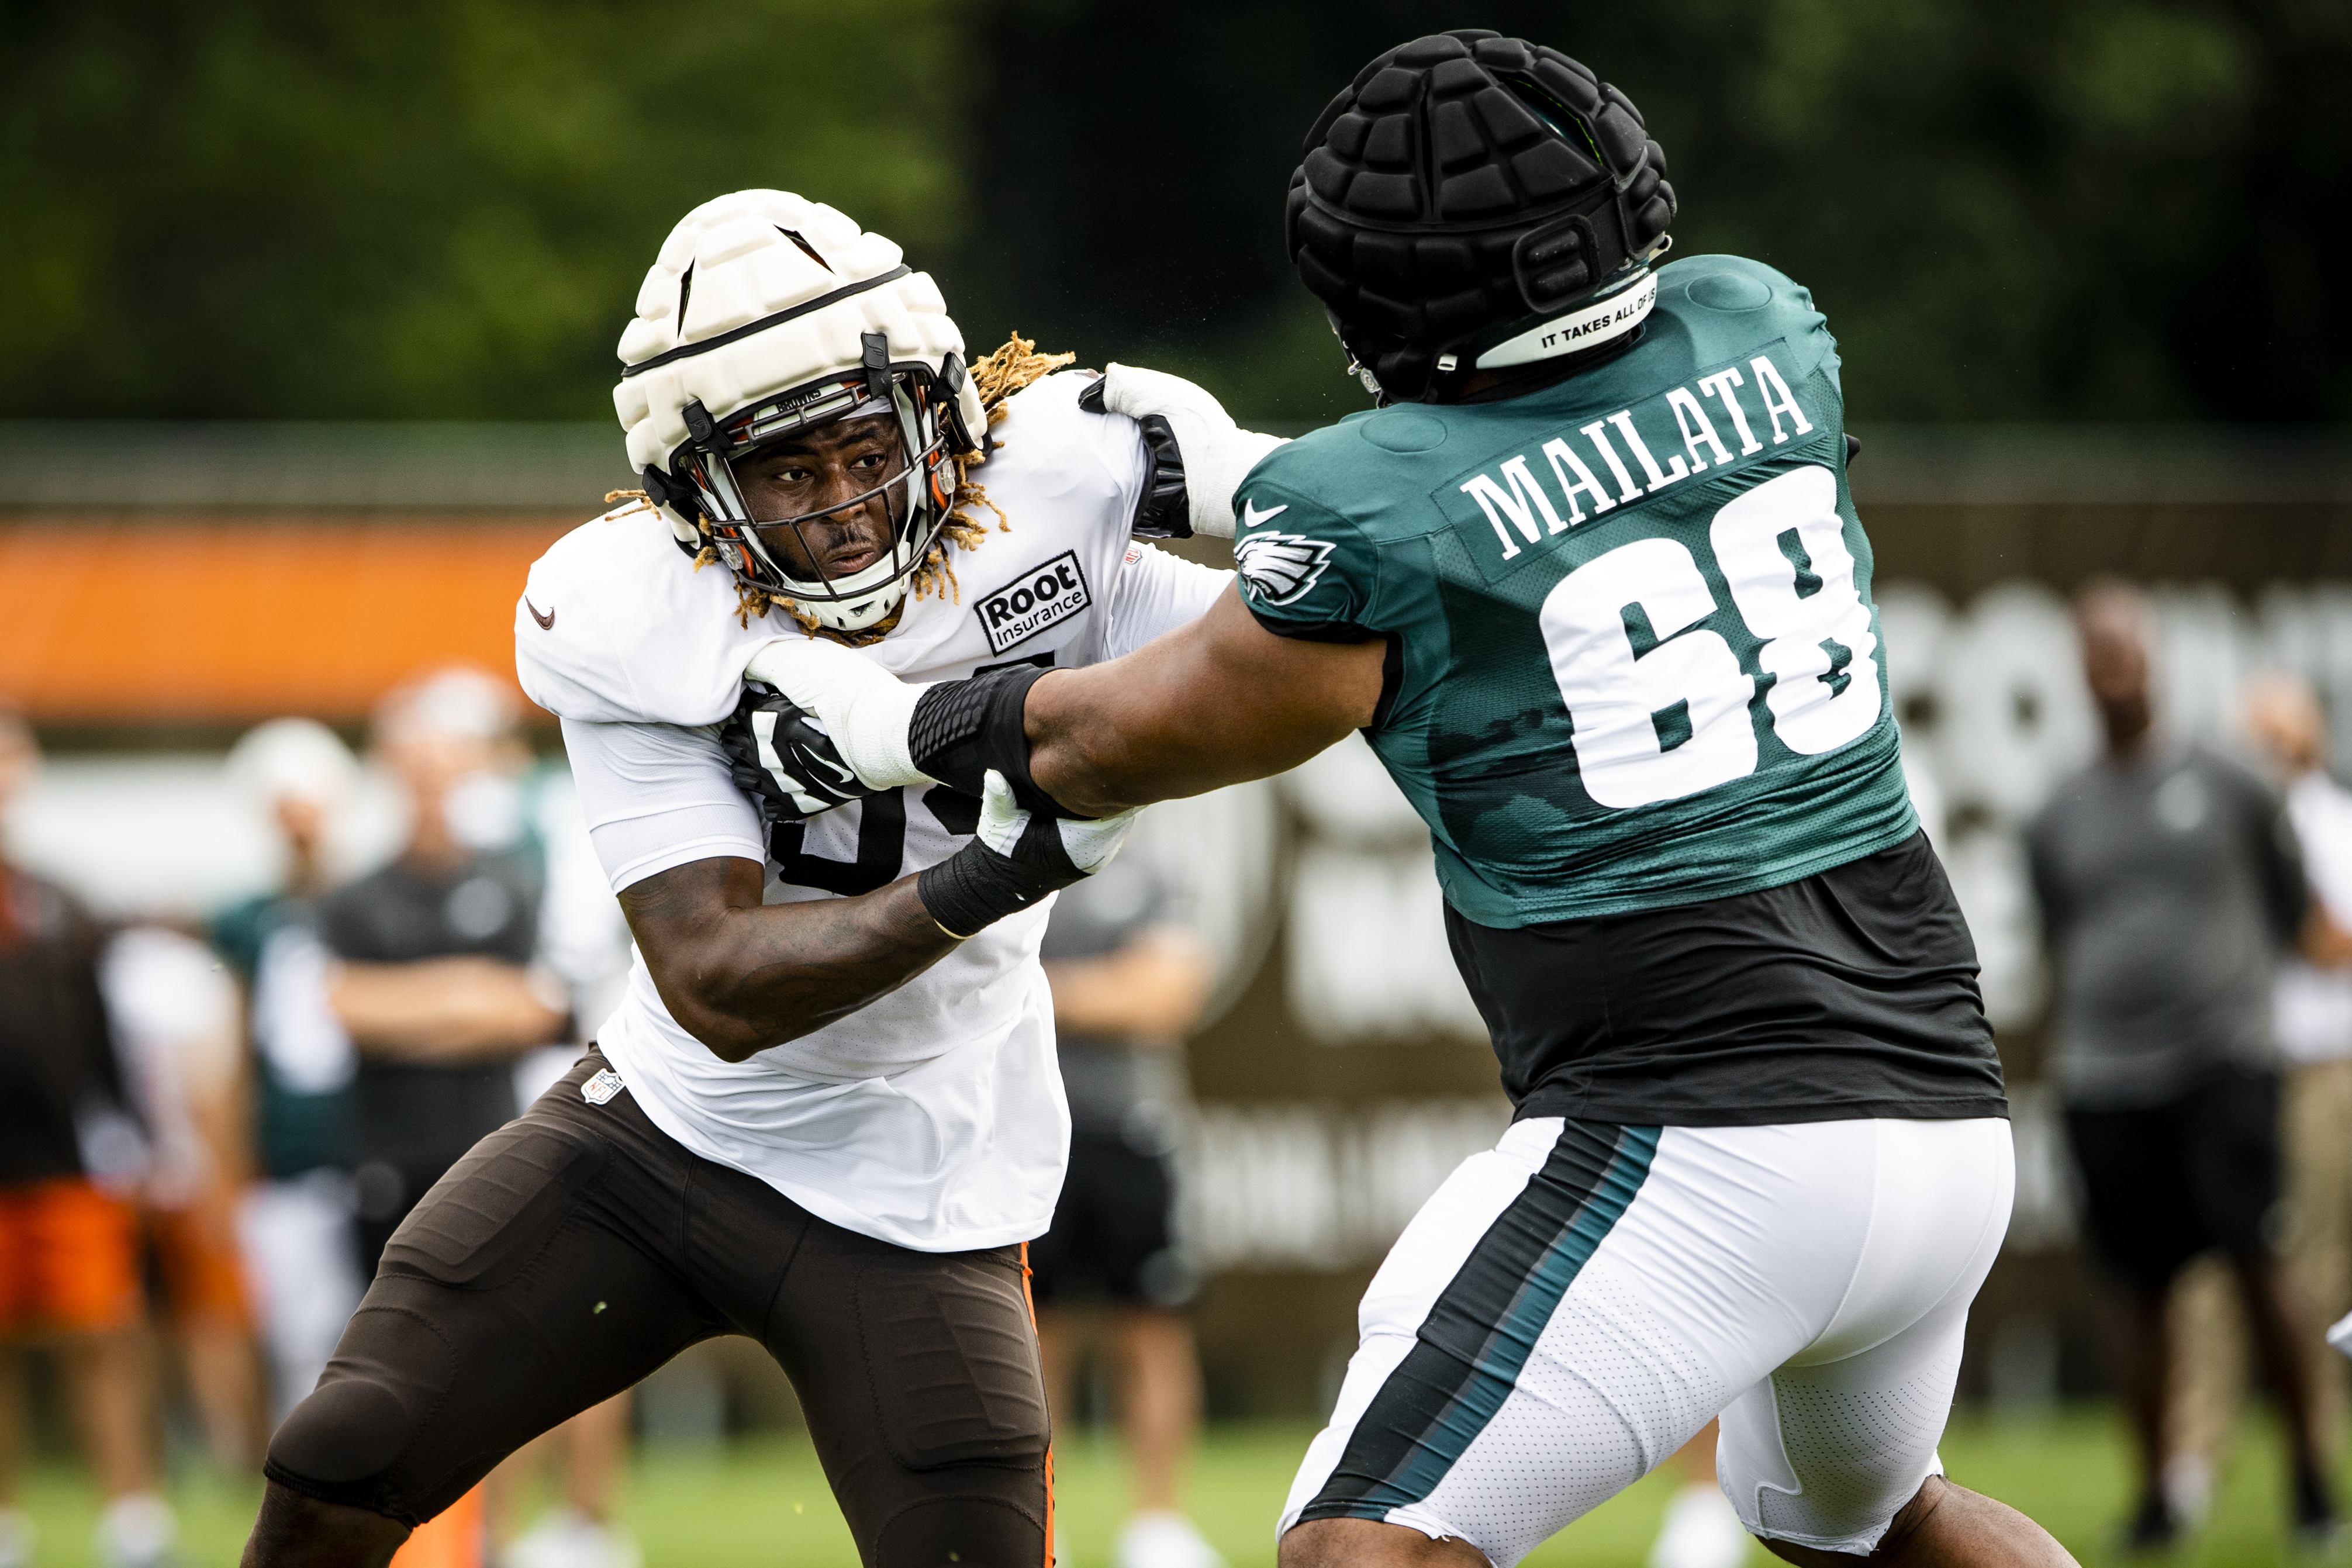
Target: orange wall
(234, 620)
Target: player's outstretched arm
(1216, 702)
(741, 976)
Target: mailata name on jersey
(1640, 662)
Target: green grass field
(762, 1503)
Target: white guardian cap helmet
(764, 315)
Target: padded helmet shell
(1467, 182)
(761, 293)
(738, 259)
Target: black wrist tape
(974, 888)
(962, 729)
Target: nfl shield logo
(602, 1087)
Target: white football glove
(782, 758)
(1218, 454)
(1018, 858)
(862, 707)
(836, 725)
(1057, 844)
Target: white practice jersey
(933, 1119)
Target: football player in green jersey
(1592, 582)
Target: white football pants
(1573, 1305)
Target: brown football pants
(579, 1247)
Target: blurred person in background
(175, 1021)
(69, 1158)
(2168, 885)
(1129, 981)
(296, 1220)
(432, 978)
(1701, 1529)
(456, 970)
(299, 1220)
(2313, 1016)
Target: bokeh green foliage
(2011, 209)
(435, 208)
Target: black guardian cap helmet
(1473, 200)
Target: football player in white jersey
(827, 1113)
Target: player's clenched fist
(890, 733)
(858, 709)
(1017, 857)
(821, 724)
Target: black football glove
(782, 758)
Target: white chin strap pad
(1218, 454)
(862, 707)
(859, 608)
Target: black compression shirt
(418, 1119)
(57, 1056)
(1848, 993)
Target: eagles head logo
(1277, 568)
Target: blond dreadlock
(996, 376)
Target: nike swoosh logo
(547, 621)
(1252, 517)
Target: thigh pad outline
(952, 1354)
(499, 1205)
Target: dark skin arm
(1213, 703)
(741, 976)
(1220, 701)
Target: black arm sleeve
(964, 729)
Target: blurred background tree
(295, 209)
(2106, 209)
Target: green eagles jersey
(1640, 666)
(295, 1131)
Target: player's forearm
(1099, 746)
(1218, 702)
(1153, 987)
(741, 976)
(442, 1009)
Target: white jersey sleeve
(1157, 592)
(617, 625)
(658, 795)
